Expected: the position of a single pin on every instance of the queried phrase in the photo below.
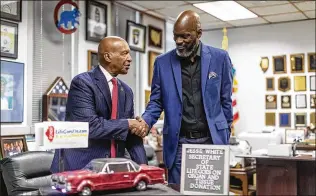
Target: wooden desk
(243, 175)
(285, 175)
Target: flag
(234, 98)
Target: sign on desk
(205, 169)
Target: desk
(157, 189)
(243, 174)
(285, 175)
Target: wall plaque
(311, 62)
(270, 84)
(284, 84)
(205, 169)
(279, 64)
(297, 63)
(271, 101)
(286, 101)
(270, 119)
(299, 83)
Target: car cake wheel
(141, 185)
(86, 191)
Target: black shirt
(193, 118)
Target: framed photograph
(271, 102)
(11, 145)
(311, 62)
(270, 119)
(294, 135)
(297, 63)
(9, 39)
(301, 101)
(136, 36)
(12, 92)
(285, 101)
(300, 119)
(279, 64)
(285, 119)
(284, 84)
(299, 83)
(96, 20)
(93, 60)
(313, 101)
(151, 60)
(154, 36)
(11, 10)
(264, 64)
(312, 80)
(270, 84)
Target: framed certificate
(271, 101)
(270, 119)
(299, 83)
(285, 119)
(270, 84)
(284, 84)
(297, 63)
(312, 80)
(286, 101)
(311, 62)
(300, 119)
(301, 101)
(279, 64)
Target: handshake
(138, 127)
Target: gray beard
(187, 54)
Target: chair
(26, 172)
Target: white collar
(107, 75)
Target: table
(285, 175)
(157, 189)
(243, 174)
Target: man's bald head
(188, 20)
(109, 44)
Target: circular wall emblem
(66, 17)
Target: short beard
(186, 54)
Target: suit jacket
(89, 100)
(166, 94)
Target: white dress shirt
(108, 77)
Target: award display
(286, 101)
(312, 118)
(312, 80)
(312, 62)
(300, 119)
(297, 63)
(299, 83)
(284, 84)
(279, 64)
(270, 119)
(264, 64)
(301, 101)
(271, 101)
(313, 101)
(285, 119)
(270, 84)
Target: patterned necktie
(114, 112)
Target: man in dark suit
(193, 85)
(100, 98)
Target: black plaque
(300, 119)
(270, 84)
(297, 63)
(312, 62)
(279, 64)
(284, 84)
(286, 101)
(205, 169)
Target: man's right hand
(137, 128)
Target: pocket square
(212, 75)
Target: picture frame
(136, 36)
(313, 101)
(151, 61)
(271, 102)
(9, 39)
(313, 118)
(270, 119)
(93, 59)
(285, 119)
(285, 101)
(312, 82)
(12, 10)
(311, 58)
(155, 36)
(294, 135)
(270, 84)
(284, 84)
(96, 21)
(301, 101)
(297, 63)
(264, 64)
(300, 119)
(12, 92)
(299, 83)
(11, 145)
(279, 64)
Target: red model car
(108, 174)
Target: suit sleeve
(226, 89)
(81, 107)
(154, 107)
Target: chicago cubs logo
(66, 17)
(50, 133)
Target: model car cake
(108, 174)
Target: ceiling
(268, 12)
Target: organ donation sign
(205, 169)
